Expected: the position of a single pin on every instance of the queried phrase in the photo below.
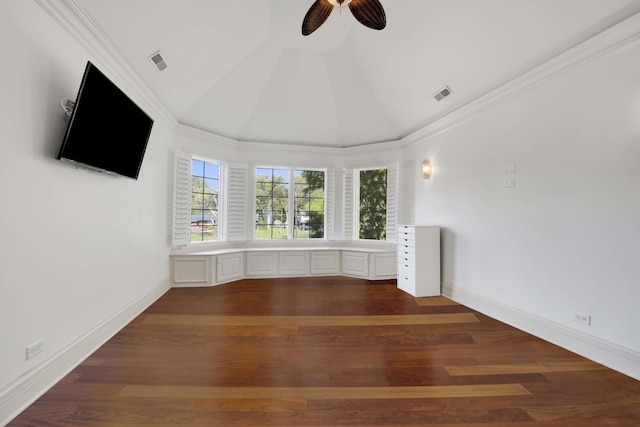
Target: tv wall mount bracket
(68, 105)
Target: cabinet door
(355, 263)
(193, 270)
(262, 264)
(384, 265)
(294, 263)
(229, 267)
(325, 263)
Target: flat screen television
(107, 131)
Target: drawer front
(405, 233)
(406, 258)
(407, 278)
(406, 230)
(404, 241)
(405, 270)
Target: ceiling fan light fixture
(369, 13)
(336, 3)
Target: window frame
(220, 220)
(353, 230)
(291, 198)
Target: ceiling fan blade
(369, 13)
(317, 14)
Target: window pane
(197, 167)
(281, 175)
(211, 170)
(210, 186)
(197, 201)
(373, 204)
(267, 174)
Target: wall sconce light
(426, 169)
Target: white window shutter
(237, 205)
(181, 230)
(348, 204)
(329, 205)
(392, 203)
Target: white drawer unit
(419, 260)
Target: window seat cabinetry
(214, 267)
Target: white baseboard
(607, 353)
(19, 394)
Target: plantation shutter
(348, 204)
(181, 230)
(392, 203)
(237, 205)
(330, 205)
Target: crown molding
(207, 136)
(605, 42)
(250, 146)
(71, 18)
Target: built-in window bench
(214, 267)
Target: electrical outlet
(35, 349)
(510, 170)
(509, 183)
(582, 318)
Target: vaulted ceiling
(243, 70)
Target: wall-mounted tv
(107, 131)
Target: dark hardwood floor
(330, 352)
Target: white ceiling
(242, 69)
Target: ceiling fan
(368, 12)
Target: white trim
(16, 396)
(614, 356)
(86, 33)
(82, 29)
(219, 140)
(616, 37)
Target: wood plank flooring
(325, 352)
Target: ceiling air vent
(443, 93)
(158, 61)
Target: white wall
(567, 238)
(76, 246)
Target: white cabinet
(419, 260)
(262, 264)
(294, 263)
(230, 267)
(325, 263)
